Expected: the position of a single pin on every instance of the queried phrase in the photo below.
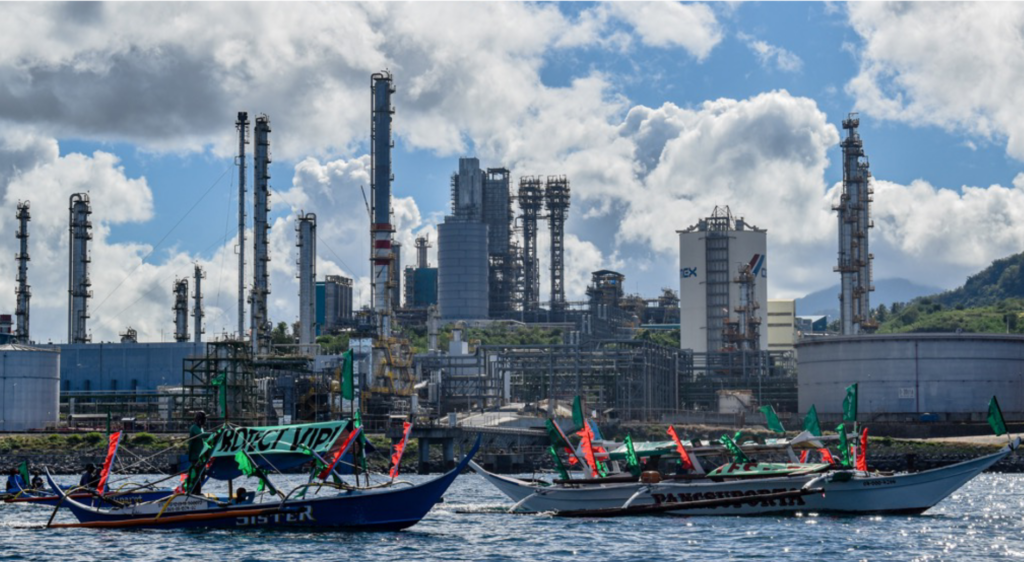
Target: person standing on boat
(15, 483)
(196, 434)
(37, 480)
(89, 478)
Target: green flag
(737, 453)
(811, 422)
(23, 470)
(632, 462)
(244, 464)
(995, 417)
(562, 473)
(578, 419)
(850, 404)
(772, 418)
(555, 435)
(348, 390)
(220, 381)
(844, 445)
(357, 421)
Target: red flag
(588, 450)
(396, 457)
(826, 456)
(685, 458)
(804, 455)
(115, 440)
(862, 453)
(340, 452)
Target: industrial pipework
(854, 209)
(242, 125)
(306, 242)
(180, 310)
(197, 311)
(381, 231)
(260, 318)
(78, 268)
(21, 333)
(530, 201)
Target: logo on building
(757, 266)
(688, 272)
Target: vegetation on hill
(991, 301)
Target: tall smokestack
(242, 124)
(78, 268)
(21, 334)
(854, 209)
(197, 311)
(306, 242)
(557, 198)
(380, 187)
(260, 231)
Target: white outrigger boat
(742, 490)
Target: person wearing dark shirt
(15, 483)
(37, 481)
(89, 478)
(196, 435)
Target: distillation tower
(531, 199)
(306, 233)
(854, 210)
(556, 196)
(21, 333)
(197, 310)
(380, 188)
(261, 228)
(78, 266)
(242, 125)
(180, 310)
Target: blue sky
(656, 112)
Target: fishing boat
(749, 490)
(390, 505)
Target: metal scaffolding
(222, 383)
(531, 199)
(556, 195)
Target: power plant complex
(737, 350)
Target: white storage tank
(952, 375)
(29, 387)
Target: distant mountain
(1004, 279)
(887, 291)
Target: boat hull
(386, 509)
(861, 493)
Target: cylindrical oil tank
(948, 374)
(29, 387)
(462, 270)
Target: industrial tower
(22, 291)
(503, 268)
(78, 266)
(530, 201)
(381, 87)
(260, 318)
(197, 311)
(306, 230)
(242, 125)
(396, 275)
(854, 209)
(180, 310)
(556, 196)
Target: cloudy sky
(656, 113)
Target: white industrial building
(723, 285)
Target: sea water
(982, 521)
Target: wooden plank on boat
(682, 506)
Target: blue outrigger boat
(389, 506)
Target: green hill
(991, 301)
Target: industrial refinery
(737, 350)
